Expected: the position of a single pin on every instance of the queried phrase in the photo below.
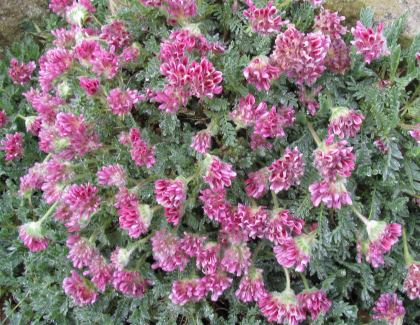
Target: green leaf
(366, 17)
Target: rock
(13, 13)
(386, 11)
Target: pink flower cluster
(215, 205)
(21, 74)
(260, 72)
(282, 307)
(263, 20)
(412, 281)
(345, 122)
(140, 151)
(115, 34)
(247, 112)
(130, 283)
(301, 55)
(251, 287)
(13, 146)
(308, 99)
(369, 44)
(32, 235)
(389, 309)
(122, 102)
(281, 225)
(314, 301)
(218, 174)
(171, 195)
(81, 293)
(134, 217)
(167, 252)
(201, 142)
(381, 237)
(416, 134)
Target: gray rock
(13, 13)
(386, 11)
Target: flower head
(218, 173)
(215, 205)
(105, 63)
(215, 282)
(253, 222)
(294, 251)
(286, 171)
(208, 258)
(204, 79)
(79, 12)
(263, 20)
(33, 236)
(59, 6)
(251, 287)
(282, 307)
(192, 244)
(170, 193)
(412, 281)
(338, 58)
(389, 309)
(83, 200)
(120, 258)
(180, 10)
(269, 124)
(247, 113)
(81, 293)
(331, 193)
(257, 183)
(115, 34)
(381, 145)
(112, 175)
(236, 258)
(90, 85)
(315, 301)
(329, 24)
(201, 142)
(21, 74)
(369, 43)
(167, 252)
(3, 118)
(135, 217)
(186, 290)
(13, 146)
(416, 134)
(101, 271)
(130, 283)
(345, 122)
(80, 251)
(260, 72)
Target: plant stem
(286, 272)
(254, 203)
(93, 236)
(254, 256)
(155, 208)
(304, 281)
(139, 242)
(16, 307)
(146, 181)
(48, 212)
(193, 176)
(76, 178)
(408, 258)
(47, 158)
(276, 203)
(84, 162)
(408, 127)
(31, 156)
(22, 117)
(316, 138)
(360, 215)
(176, 228)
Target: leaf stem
(16, 307)
(276, 202)
(147, 180)
(408, 258)
(51, 209)
(304, 281)
(254, 256)
(315, 136)
(360, 215)
(193, 176)
(93, 236)
(286, 272)
(408, 127)
(156, 207)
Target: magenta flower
(79, 12)
(87, 51)
(329, 24)
(186, 290)
(381, 145)
(53, 191)
(257, 183)
(101, 271)
(269, 124)
(68, 124)
(288, 115)
(251, 287)
(260, 72)
(81, 293)
(247, 113)
(105, 63)
(120, 258)
(13, 146)
(23, 73)
(167, 252)
(412, 281)
(180, 10)
(33, 236)
(135, 217)
(122, 103)
(338, 58)
(192, 244)
(208, 258)
(172, 51)
(201, 142)
(236, 259)
(416, 134)
(204, 79)
(262, 19)
(216, 283)
(282, 307)
(58, 170)
(3, 118)
(389, 309)
(25, 188)
(215, 205)
(172, 98)
(253, 222)
(55, 62)
(333, 159)
(286, 171)
(112, 175)
(314, 301)
(331, 193)
(258, 141)
(345, 122)
(90, 85)
(63, 213)
(276, 229)
(142, 153)
(295, 251)
(287, 47)
(218, 173)
(151, 3)
(84, 140)
(59, 6)
(83, 200)
(369, 43)
(64, 38)
(124, 197)
(130, 53)
(80, 251)
(382, 236)
(176, 72)
(44, 104)
(130, 283)
(170, 193)
(115, 34)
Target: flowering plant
(210, 163)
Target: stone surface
(13, 13)
(385, 12)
